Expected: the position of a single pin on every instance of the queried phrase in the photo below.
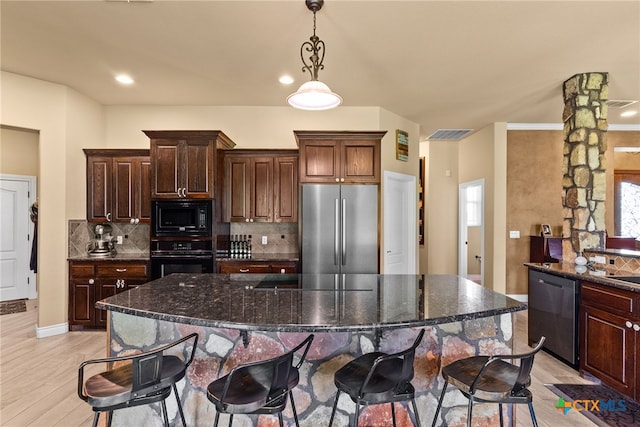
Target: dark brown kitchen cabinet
(183, 163)
(339, 157)
(92, 281)
(118, 185)
(610, 336)
(261, 186)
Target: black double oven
(182, 237)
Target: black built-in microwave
(181, 218)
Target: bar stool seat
(377, 377)
(134, 380)
(260, 387)
(492, 379)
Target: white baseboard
(519, 297)
(49, 331)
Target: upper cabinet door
(285, 198)
(237, 188)
(320, 161)
(165, 164)
(262, 189)
(339, 157)
(182, 163)
(197, 174)
(99, 176)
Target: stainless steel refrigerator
(339, 228)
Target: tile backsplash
(281, 237)
(135, 237)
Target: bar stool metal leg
(335, 406)
(393, 414)
(435, 416)
(415, 411)
(533, 415)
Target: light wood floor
(38, 377)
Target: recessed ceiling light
(628, 113)
(286, 80)
(124, 79)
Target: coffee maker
(102, 245)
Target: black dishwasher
(553, 313)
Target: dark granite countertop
(606, 276)
(311, 302)
(262, 257)
(117, 257)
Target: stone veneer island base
(243, 318)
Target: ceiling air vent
(449, 134)
(620, 103)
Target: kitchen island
(241, 318)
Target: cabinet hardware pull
(337, 179)
(636, 327)
(628, 324)
(244, 270)
(121, 270)
(109, 216)
(91, 281)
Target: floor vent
(449, 134)
(620, 103)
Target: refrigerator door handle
(336, 232)
(344, 231)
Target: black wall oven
(180, 256)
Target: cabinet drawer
(244, 267)
(81, 270)
(284, 267)
(608, 298)
(121, 270)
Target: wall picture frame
(545, 230)
(402, 145)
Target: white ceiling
(442, 64)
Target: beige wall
(441, 198)
(389, 162)
(482, 155)
(626, 161)
(56, 112)
(19, 151)
(534, 188)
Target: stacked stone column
(584, 165)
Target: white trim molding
(49, 331)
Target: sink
(630, 279)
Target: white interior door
(400, 217)
(16, 280)
(471, 231)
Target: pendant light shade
(313, 95)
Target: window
(474, 206)
(627, 203)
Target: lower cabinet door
(608, 349)
(81, 310)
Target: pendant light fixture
(313, 95)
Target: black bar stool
(491, 379)
(378, 377)
(142, 379)
(260, 387)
